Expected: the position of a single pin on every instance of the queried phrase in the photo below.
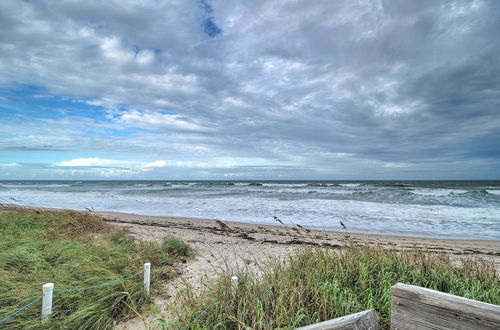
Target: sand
(227, 246)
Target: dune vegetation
(75, 250)
(318, 284)
(78, 249)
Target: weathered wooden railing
(415, 308)
(366, 320)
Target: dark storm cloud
(339, 88)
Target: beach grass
(75, 250)
(318, 284)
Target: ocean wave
(183, 184)
(280, 185)
(249, 184)
(364, 193)
(211, 184)
(397, 185)
(437, 192)
(494, 192)
(460, 197)
(35, 185)
(332, 193)
(323, 185)
(474, 193)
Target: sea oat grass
(74, 250)
(318, 284)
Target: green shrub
(176, 247)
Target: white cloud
(106, 168)
(9, 165)
(235, 175)
(109, 167)
(155, 164)
(145, 57)
(158, 121)
(95, 162)
(97, 172)
(396, 165)
(107, 173)
(112, 49)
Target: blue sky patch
(208, 20)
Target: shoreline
(307, 235)
(210, 232)
(162, 220)
(323, 229)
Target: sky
(249, 90)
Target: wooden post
(414, 307)
(147, 277)
(48, 290)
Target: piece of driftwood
(366, 320)
(414, 307)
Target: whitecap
(494, 192)
(437, 192)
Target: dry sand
(227, 246)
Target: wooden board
(366, 320)
(414, 307)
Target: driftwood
(366, 320)
(414, 307)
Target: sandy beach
(221, 245)
(227, 246)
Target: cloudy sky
(223, 89)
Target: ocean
(439, 209)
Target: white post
(147, 276)
(234, 286)
(47, 300)
(234, 282)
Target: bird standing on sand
(343, 226)
(301, 227)
(277, 219)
